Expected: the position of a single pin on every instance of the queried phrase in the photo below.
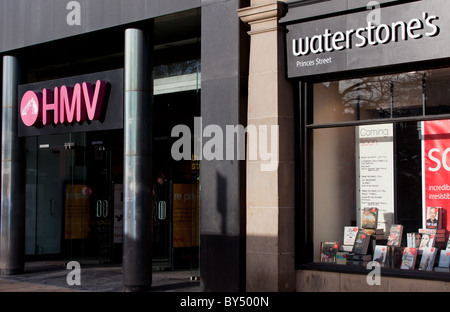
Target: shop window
(379, 142)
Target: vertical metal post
(12, 236)
(137, 241)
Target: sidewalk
(51, 276)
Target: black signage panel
(82, 103)
(411, 32)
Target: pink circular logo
(29, 108)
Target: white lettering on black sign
(371, 35)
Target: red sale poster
(436, 168)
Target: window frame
(304, 221)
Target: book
(369, 219)
(345, 248)
(358, 257)
(395, 235)
(341, 257)
(444, 259)
(328, 251)
(433, 231)
(448, 243)
(362, 242)
(438, 269)
(427, 240)
(409, 257)
(357, 262)
(413, 239)
(378, 234)
(380, 254)
(434, 218)
(427, 260)
(349, 235)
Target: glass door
(89, 194)
(44, 199)
(70, 202)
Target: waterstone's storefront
(374, 87)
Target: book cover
(409, 257)
(427, 240)
(369, 219)
(361, 244)
(328, 251)
(380, 254)
(341, 257)
(448, 243)
(395, 235)
(358, 257)
(413, 239)
(434, 218)
(427, 260)
(350, 235)
(432, 231)
(444, 259)
(345, 248)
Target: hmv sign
(76, 104)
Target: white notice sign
(375, 177)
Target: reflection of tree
(176, 69)
(381, 94)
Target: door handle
(162, 210)
(102, 209)
(99, 209)
(105, 208)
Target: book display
(423, 250)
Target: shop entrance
(71, 184)
(74, 204)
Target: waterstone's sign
(405, 33)
(82, 103)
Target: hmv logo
(63, 105)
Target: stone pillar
(12, 239)
(137, 241)
(270, 191)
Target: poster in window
(185, 215)
(77, 198)
(375, 172)
(436, 170)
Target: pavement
(52, 276)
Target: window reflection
(389, 96)
(176, 69)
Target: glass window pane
(334, 194)
(438, 92)
(367, 98)
(339, 180)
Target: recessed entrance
(73, 185)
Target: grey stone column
(137, 261)
(12, 237)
